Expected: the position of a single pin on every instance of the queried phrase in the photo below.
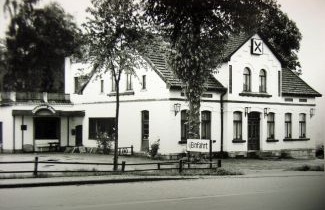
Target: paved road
(298, 193)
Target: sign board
(198, 145)
(257, 47)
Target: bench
(47, 146)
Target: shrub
(104, 142)
(154, 147)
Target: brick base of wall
(286, 153)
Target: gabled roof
(236, 41)
(293, 85)
(158, 63)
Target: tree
(115, 40)
(198, 31)
(37, 42)
(281, 32)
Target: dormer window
(247, 80)
(262, 81)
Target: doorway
(79, 135)
(253, 131)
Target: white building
(252, 105)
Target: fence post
(131, 149)
(35, 166)
(123, 166)
(219, 163)
(158, 166)
(180, 167)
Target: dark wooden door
(79, 135)
(254, 131)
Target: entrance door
(254, 131)
(79, 135)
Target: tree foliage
(37, 42)
(116, 39)
(198, 31)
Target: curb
(84, 182)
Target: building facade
(251, 106)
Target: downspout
(14, 135)
(221, 119)
(22, 134)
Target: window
(184, 125)
(247, 80)
(47, 128)
(100, 125)
(144, 82)
(128, 81)
(270, 126)
(302, 125)
(302, 99)
(288, 99)
(113, 85)
(145, 124)
(206, 125)
(288, 125)
(102, 86)
(262, 81)
(237, 129)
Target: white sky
(309, 16)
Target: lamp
(247, 110)
(266, 111)
(312, 112)
(177, 108)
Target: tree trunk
(115, 162)
(193, 96)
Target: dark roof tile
(293, 85)
(159, 64)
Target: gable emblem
(257, 47)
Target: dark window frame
(99, 125)
(263, 77)
(302, 125)
(101, 86)
(271, 125)
(184, 125)
(238, 126)
(247, 80)
(144, 82)
(129, 81)
(288, 125)
(206, 125)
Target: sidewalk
(111, 179)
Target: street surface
(239, 193)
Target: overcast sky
(309, 16)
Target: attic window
(257, 47)
(302, 99)
(288, 99)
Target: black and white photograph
(162, 104)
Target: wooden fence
(123, 167)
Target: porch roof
(58, 113)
